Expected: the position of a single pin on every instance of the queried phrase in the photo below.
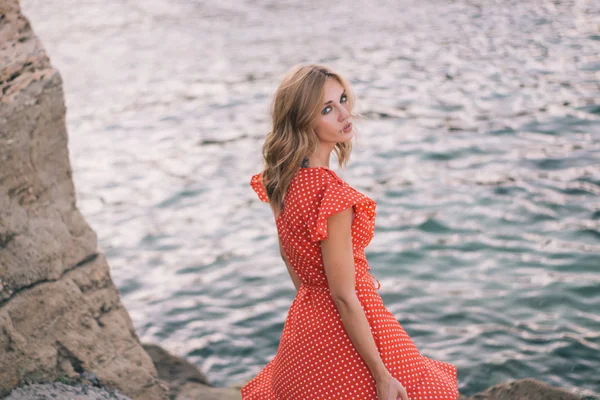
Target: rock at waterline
(57, 390)
(525, 389)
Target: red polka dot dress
(315, 359)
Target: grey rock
(184, 379)
(525, 389)
(57, 390)
(196, 391)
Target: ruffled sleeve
(259, 188)
(337, 196)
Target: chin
(346, 137)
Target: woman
(339, 341)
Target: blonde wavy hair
(296, 106)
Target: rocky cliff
(61, 318)
(60, 313)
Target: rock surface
(525, 389)
(60, 313)
(184, 380)
(57, 390)
(194, 391)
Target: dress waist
(323, 286)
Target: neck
(320, 158)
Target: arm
(291, 271)
(339, 269)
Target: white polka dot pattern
(315, 359)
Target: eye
(326, 110)
(344, 98)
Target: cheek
(324, 125)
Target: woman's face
(333, 124)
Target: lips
(347, 128)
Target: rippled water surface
(480, 143)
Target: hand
(388, 388)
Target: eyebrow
(331, 101)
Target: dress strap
(368, 275)
(378, 283)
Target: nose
(343, 114)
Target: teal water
(480, 142)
